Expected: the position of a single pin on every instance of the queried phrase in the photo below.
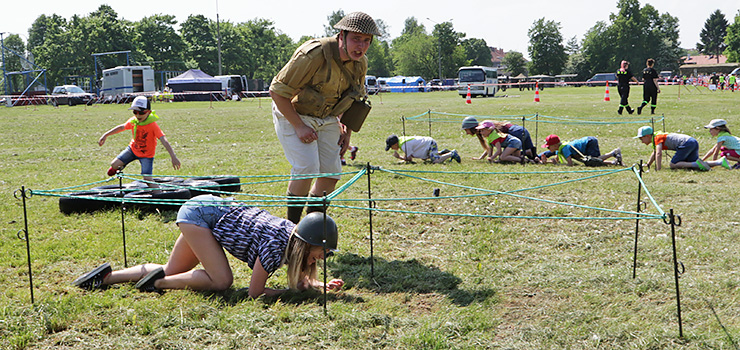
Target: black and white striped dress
(249, 232)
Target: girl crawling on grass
(208, 225)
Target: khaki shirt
(303, 80)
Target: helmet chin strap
(344, 41)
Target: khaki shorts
(318, 157)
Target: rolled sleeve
(299, 71)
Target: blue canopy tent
(406, 84)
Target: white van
(371, 85)
(233, 84)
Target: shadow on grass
(408, 276)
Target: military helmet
(469, 123)
(359, 22)
(311, 230)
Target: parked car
(600, 79)
(665, 75)
(70, 95)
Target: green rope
(644, 217)
(511, 194)
(266, 199)
(647, 192)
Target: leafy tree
(635, 34)
(267, 50)
(415, 54)
(732, 40)
(14, 48)
(572, 46)
(333, 19)
(598, 51)
(383, 28)
(546, 48)
(160, 42)
(200, 41)
(450, 53)
(477, 52)
(380, 62)
(515, 63)
(42, 27)
(713, 35)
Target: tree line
(258, 50)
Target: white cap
(140, 103)
(715, 123)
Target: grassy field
(440, 282)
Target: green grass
(440, 282)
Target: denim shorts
(202, 211)
(686, 152)
(128, 156)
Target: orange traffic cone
(606, 94)
(468, 99)
(537, 92)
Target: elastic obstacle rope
(371, 208)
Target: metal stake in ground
(123, 221)
(323, 243)
(676, 274)
(370, 206)
(24, 195)
(637, 222)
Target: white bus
(481, 79)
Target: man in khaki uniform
(309, 97)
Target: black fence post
(637, 222)
(23, 195)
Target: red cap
(550, 140)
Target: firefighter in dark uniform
(624, 75)
(650, 87)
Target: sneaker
(639, 110)
(353, 152)
(344, 162)
(702, 165)
(736, 166)
(456, 156)
(618, 156)
(146, 284)
(725, 163)
(93, 279)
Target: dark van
(600, 79)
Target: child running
(727, 145)
(421, 147)
(685, 146)
(145, 132)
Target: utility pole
(218, 34)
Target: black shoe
(146, 284)
(639, 110)
(630, 110)
(93, 279)
(619, 111)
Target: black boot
(639, 109)
(630, 110)
(315, 206)
(652, 110)
(295, 207)
(619, 111)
